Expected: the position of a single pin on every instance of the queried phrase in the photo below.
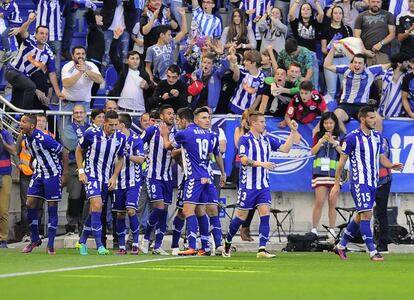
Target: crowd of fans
(284, 59)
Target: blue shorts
(249, 199)
(126, 198)
(364, 196)
(195, 192)
(94, 188)
(211, 197)
(180, 194)
(49, 189)
(160, 190)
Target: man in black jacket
(117, 13)
(133, 82)
(170, 91)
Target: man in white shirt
(78, 76)
(132, 94)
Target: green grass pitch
(289, 276)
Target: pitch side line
(19, 274)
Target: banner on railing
(294, 171)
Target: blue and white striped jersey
(29, 54)
(49, 14)
(364, 152)
(391, 100)
(46, 151)
(101, 151)
(356, 86)
(197, 144)
(248, 88)
(11, 14)
(260, 9)
(204, 24)
(131, 174)
(258, 149)
(159, 159)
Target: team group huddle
(109, 159)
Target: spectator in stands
(34, 54)
(76, 193)
(407, 92)
(48, 14)
(161, 55)
(7, 149)
(350, 11)
(110, 105)
(391, 98)
(272, 29)
(12, 22)
(7, 8)
(118, 14)
(337, 30)
(170, 91)
(405, 31)
(305, 107)
(138, 39)
(69, 13)
(250, 81)
(206, 83)
(326, 149)
(97, 117)
(197, 48)
(78, 76)
(358, 79)
(204, 22)
(302, 56)
(274, 102)
(132, 79)
(269, 61)
(156, 15)
(254, 9)
(376, 28)
(96, 44)
(306, 29)
(238, 34)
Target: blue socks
(121, 231)
(97, 228)
(178, 225)
(233, 228)
(349, 233)
(52, 225)
(192, 231)
(152, 221)
(33, 219)
(365, 227)
(215, 228)
(264, 229)
(160, 228)
(204, 232)
(86, 231)
(133, 225)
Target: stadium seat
(279, 224)
(110, 78)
